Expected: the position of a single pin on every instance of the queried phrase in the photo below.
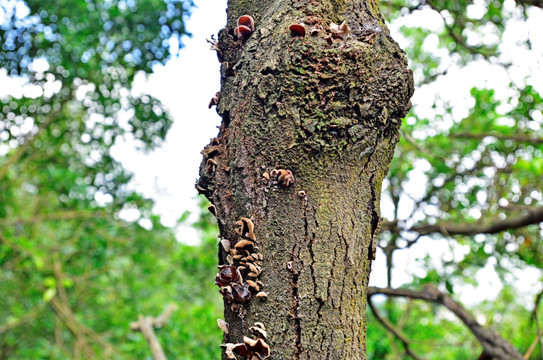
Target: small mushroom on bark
(226, 244)
(243, 244)
(259, 332)
(227, 274)
(260, 325)
(212, 209)
(315, 29)
(297, 30)
(258, 347)
(247, 21)
(340, 31)
(211, 165)
(223, 325)
(241, 293)
(243, 32)
(215, 100)
(253, 285)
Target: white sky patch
(184, 85)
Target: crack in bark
(295, 303)
(375, 221)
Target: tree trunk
(327, 106)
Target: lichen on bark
(329, 110)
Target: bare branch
(396, 332)
(533, 216)
(493, 344)
(538, 3)
(519, 138)
(145, 324)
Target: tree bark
(328, 109)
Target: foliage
(479, 156)
(74, 274)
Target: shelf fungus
(251, 348)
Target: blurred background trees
(462, 203)
(74, 273)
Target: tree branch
(145, 324)
(63, 215)
(520, 138)
(533, 216)
(538, 3)
(493, 344)
(396, 332)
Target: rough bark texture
(328, 110)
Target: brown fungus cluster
(285, 177)
(254, 348)
(245, 254)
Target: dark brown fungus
(212, 209)
(241, 293)
(247, 21)
(243, 32)
(215, 100)
(248, 225)
(297, 30)
(241, 349)
(258, 347)
(227, 274)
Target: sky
(187, 83)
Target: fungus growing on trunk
(297, 30)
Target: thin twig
(396, 332)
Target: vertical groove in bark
(329, 111)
